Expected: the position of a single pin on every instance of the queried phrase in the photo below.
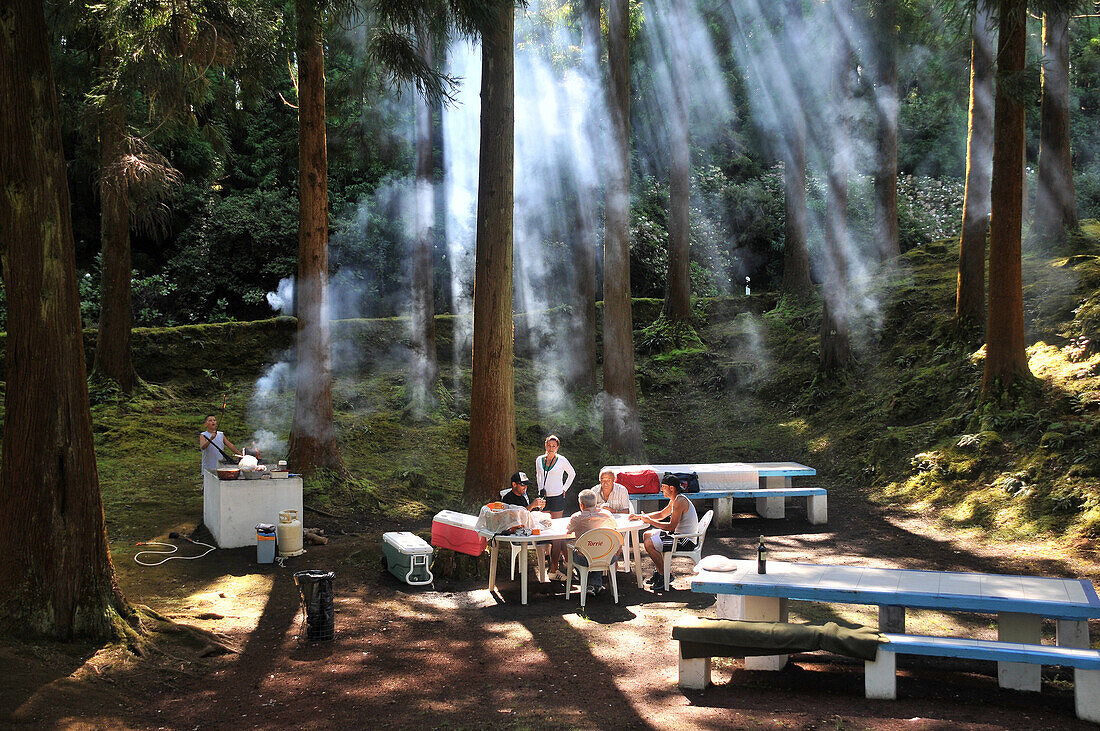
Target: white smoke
(282, 299)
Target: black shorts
(681, 545)
(555, 504)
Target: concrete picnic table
(724, 481)
(1020, 602)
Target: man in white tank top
(210, 441)
(678, 516)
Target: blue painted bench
(880, 674)
(817, 507)
(880, 679)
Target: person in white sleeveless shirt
(211, 439)
(678, 516)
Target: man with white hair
(610, 494)
(586, 519)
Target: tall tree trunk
(313, 433)
(113, 358)
(425, 363)
(835, 336)
(56, 577)
(443, 263)
(582, 336)
(677, 305)
(796, 254)
(583, 375)
(492, 455)
(886, 147)
(1055, 197)
(970, 289)
(1005, 357)
(621, 430)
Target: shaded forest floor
(457, 656)
(919, 475)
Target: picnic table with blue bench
(769, 483)
(1019, 602)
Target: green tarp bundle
(738, 638)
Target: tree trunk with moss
(1006, 357)
(621, 429)
(970, 286)
(1055, 196)
(313, 432)
(491, 458)
(56, 577)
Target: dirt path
(458, 656)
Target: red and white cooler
(458, 532)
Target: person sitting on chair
(518, 494)
(580, 523)
(678, 516)
(610, 494)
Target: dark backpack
(690, 480)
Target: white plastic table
(1020, 602)
(557, 532)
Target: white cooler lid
(407, 543)
(459, 520)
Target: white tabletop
(989, 593)
(764, 469)
(558, 531)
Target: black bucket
(315, 588)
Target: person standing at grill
(211, 441)
(554, 475)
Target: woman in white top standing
(210, 441)
(554, 475)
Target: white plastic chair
(541, 550)
(601, 547)
(695, 554)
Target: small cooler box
(408, 557)
(458, 532)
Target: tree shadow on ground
(38, 677)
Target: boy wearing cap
(518, 494)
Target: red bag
(645, 482)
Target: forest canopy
(226, 235)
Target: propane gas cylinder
(289, 533)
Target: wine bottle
(761, 557)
